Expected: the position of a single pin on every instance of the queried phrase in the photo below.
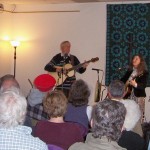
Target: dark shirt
(61, 61)
(37, 112)
(77, 114)
(131, 141)
(141, 80)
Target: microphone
(96, 69)
(65, 55)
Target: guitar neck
(78, 66)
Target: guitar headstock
(94, 59)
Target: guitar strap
(72, 60)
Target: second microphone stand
(99, 86)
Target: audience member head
(133, 114)
(12, 108)
(55, 104)
(107, 119)
(116, 89)
(79, 93)
(8, 81)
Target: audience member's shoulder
(30, 141)
(43, 122)
(39, 144)
(74, 126)
(132, 134)
(78, 146)
(131, 141)
(130, 103)
(106, 99)
(127, 101)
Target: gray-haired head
(107, 119)
(116, 89)
(12, 109)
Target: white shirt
(133, 74)
(20, 138)
(89, 112)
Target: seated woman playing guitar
(57, 63)
(136, 80)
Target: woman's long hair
(142, 67)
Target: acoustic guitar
(68, 71)
(128, 87)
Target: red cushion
(44, 82)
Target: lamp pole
(15, 44)
(15, 47)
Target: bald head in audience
(8, 81)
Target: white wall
(5, 51)
(41, 34)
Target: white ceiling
(57, 1)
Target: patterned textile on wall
(128, 33)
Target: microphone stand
(62, 73)
(98, 92)
(101, 85)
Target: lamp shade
(15, 43)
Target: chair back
(54, 147)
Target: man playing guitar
(57, 63)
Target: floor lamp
(15, 44)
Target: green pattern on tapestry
(128, 33)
